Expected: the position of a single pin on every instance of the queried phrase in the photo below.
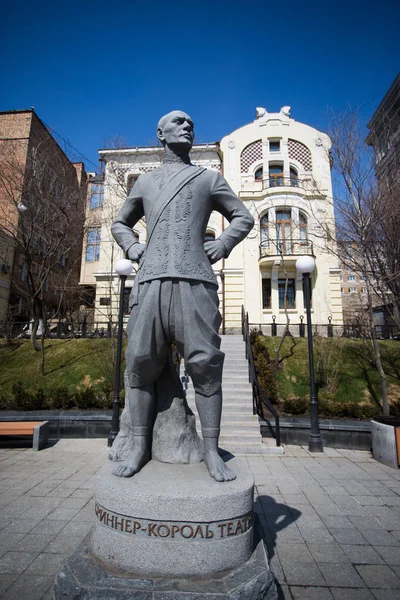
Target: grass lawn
(344, 369)
(75, 365)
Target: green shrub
(60, 398)
(296, 406)
(347, 410)
(265, 368)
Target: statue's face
(176, 129)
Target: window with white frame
(274, 146)
(258, 174)
(264, 233)
(351, 277)
(266, 293)
(93, 244)
(97, 195)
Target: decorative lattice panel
(250, 154)
(146, 168)
(300, 152)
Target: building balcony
(279, 184)
(286, 248)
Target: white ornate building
(281, 170)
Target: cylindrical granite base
(173, 520)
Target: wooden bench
(38, 429)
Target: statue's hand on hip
(136, 251)
(215, 250)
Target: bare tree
(367, 217)
(42, 213)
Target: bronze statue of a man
(174, 298)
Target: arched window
(284, 230)
(209, 236)
(275, 175)
(294, 177)
(264, 234)
(303, 229)
(258, 175)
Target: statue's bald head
(176, 128)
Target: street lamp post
(124, 268)
(306, 265)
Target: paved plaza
(332, 520)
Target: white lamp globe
(123, 267)
(305, 264)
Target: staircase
(240, 429)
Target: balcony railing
(286, 248)
(274, 181)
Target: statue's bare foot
(136, 459)
(217, 468)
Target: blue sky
(94, 70)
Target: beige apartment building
(280, 169)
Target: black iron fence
(382, 332)
(61, 329)
(261, 402)
(107, 329)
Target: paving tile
(317, 536)
(20, 526)
(336, 522)
(6, 581)
(328, 553)
(47, 563)
(310, 593)
(390, 555)
(28, 587)
(298, 573)
(63, 543)
(49, 527)
(365, 523)
(340, 575)
(351, 594)
(79, 528)
(33, 543)
(362, 555)
(348, 536)
(16, 562)
(62, 514)
(378, 576)
(7, 541)
(369, 500)
(378, 537)
(386, 594)
(283, 591)
(291, 552)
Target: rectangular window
(274, 146)
(105, 301)
(96, 195)
(290, 300)
(266, 293)
(93, 244)
(351, 277)
(352, 290)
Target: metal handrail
(260, 398)
(277, 180)
(290, 247)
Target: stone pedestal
(171, 533)
(86, 578)
(173, 520)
